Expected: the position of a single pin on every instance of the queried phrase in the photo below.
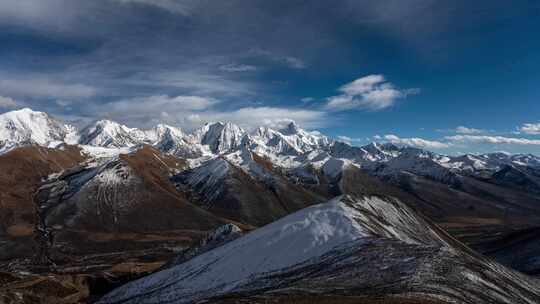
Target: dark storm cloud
(131, 40)
(71, 56)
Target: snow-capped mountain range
(290, 147)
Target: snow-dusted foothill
(326, 248)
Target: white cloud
(416, 142)
(238, 68)
(251, 117)
(196, 82)
(307, 99)
(150, 110)
(371, 92)
(482, 139)
(63, 103)
(530, 128)
(349, 140)
(8, 103)
(182, 7)
(40, 15)
(345, 139)
(192, 111)
(43, 87)
(290, 61)
(466, 130)
(160, 103)
(362, 85)
(294, 62)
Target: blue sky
(449, 76)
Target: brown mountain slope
(226, 190)
(124, 204)
(107, 221)
(475, 210)
(22, 170)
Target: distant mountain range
(289, 147)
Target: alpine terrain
(113, 214)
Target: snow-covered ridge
(301, 237)
(345, 244)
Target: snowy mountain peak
(109, 134)
(172, 140)
(291, 141)
(24, 110)
(378, 148)
(24, 116)
(26, 126)
(290, 129)
(109, 124)
(220, 137)
(216, 123)
(162, 130)
(264, 132)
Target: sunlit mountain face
(184, 151)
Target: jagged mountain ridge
(287, 147)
